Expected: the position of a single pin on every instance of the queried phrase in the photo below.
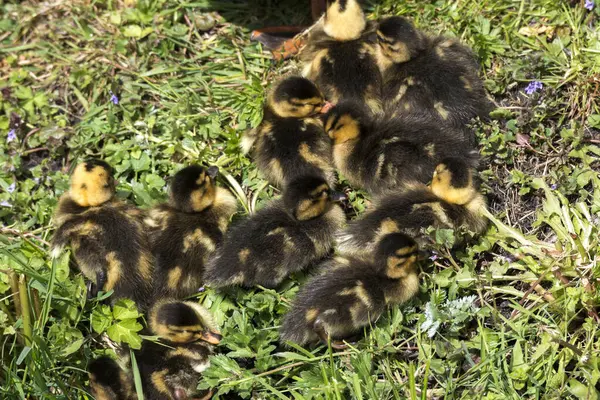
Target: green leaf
(134, 31)
(581, 391)
(126, 331)
(125, 309)
(101, 318)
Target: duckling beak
(326, 107)
(213, 172)
(422, 255)
(338, 196)
(211, 337)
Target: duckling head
(296, 97)
(310, 197)
(193, 188)
(183, 322)
(453, 182)
(92, 183)
(398, 39)
(344, 122)
(398, 253)
(344, 19)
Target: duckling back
(110, 247)
(288, 148)
(351, 293)
(286, 236)
(411, 212)
(346, 294)
(340, 56)
(394, 152)
(265, 248)
(440, 82)
(345, 70)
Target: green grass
(512, 316)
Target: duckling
(185, 231)
(382, 154)
(173, 372)
(106, 236)
(290, 141)
(341, 58)
(352, 293)
(286, 236)
(451, 202)
(182, 322)
(437, 76)
(108, 381)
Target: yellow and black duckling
(180, 322)
(171, 369)
(437, 76)
(382, 154)
(185, 231)
(453, 201)
(173, 372)
(108, 381)
(352, 293)
(286, 236)
(341, 56)
(290, 141)
(106, 236)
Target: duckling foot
(319, 329)
(280, 40)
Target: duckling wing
(395, 212)
(261, 250)
(343, 298)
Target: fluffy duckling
(286, 236)
(173, 372)
(185, 231)
(434, 76)
(290, 141)
(352, 293)
(171, 369)
(340, 56)
(382, 154)
(451, 202)
(182, 322)
(106, 236)
(108, 381)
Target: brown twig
(15, 232)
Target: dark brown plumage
(106, 236)
(286, 236)
(185, 231)
(452, 202)
(290, 142)
(382, 154)
(352, 293)
(340, 56)
(433, 76)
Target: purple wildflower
(589, 4)
(553, 186)
(113, 98)
(5, 203)
(533, 87)
(201, 289)
(11, 188)
(12, 136)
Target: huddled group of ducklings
(398, 130)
